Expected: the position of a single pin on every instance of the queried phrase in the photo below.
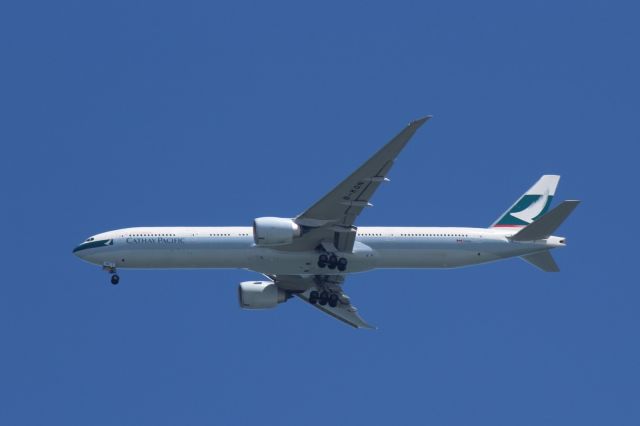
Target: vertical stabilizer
(531, 205)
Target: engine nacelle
(260, 295)
(274, 231)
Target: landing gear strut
(333, 300)
(332, 261)
(342, 264)
(323, 298)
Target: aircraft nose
(81, 249)
(76, 250)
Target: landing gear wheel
(342, 264)
(322, 260)
(333, 300)
(313, 297)
(333, 261)
(115, 279)
(324, 296)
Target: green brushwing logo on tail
(528, 209)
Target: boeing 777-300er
(310, 255)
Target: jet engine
(274, 231)
(260, 295)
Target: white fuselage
(234, 247)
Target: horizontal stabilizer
(544, 227)
(543, 261)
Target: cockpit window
(89, 239)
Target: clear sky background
(129, 113)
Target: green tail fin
(531, 205)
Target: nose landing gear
(111, 269)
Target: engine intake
(274, 231)
(260, 295)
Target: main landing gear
(111, 269)
(323, 298)
(332, 261)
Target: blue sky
(202, 113)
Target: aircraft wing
(332, 284)
(337, 211)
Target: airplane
(309, 256)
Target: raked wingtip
(421, 121)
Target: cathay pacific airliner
(310, 255)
